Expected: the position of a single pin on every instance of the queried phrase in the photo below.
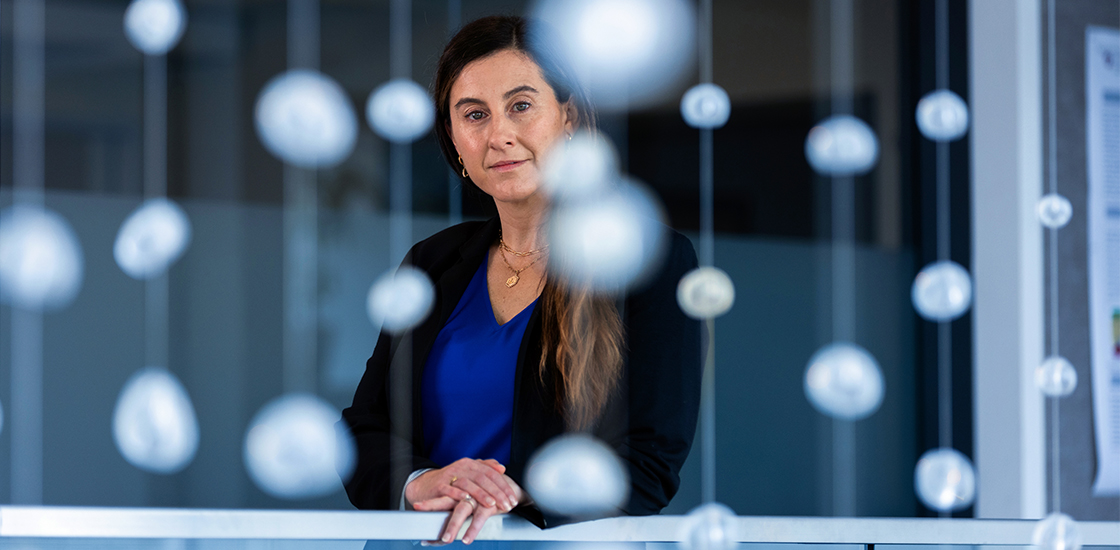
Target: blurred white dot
(843, 381)
(1056, 377)
(41, 261)
(711, 526)
(1054, 211)
(610, 242)
(706, 106)
(945, 480)
(942, 116)
(942, 291)
(305, 119)
(153, 237)
(841, 145)
(705, 293)
(295, 450)
(577, 475)
(581, 167)
(400, 299)
(400, 111)
(627, 52)
(155, 26)
(1057, 531)
(154, 423)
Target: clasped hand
(468, 488)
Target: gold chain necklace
(502, 244)
(513, 279)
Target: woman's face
(504, 118)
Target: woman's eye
(476, 115)
(521, 106)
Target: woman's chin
(517, 192)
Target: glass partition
(196, 352)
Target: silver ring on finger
(470, 500)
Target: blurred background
(225, 314)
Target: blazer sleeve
(381, 426)
(382, 421)
(663, 384)
(385, 457)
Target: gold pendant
(512, 281)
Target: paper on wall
(1102, 123)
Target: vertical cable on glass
(301, 205)
(400, 223)
(1052, 185)
(156, 291)
(944, 328)
(707, 258)
(28, 112)
(841, 81)
(454, 184)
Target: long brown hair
(582, 333)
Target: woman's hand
(483, 480)
(466, 508)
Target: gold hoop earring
(465, 173)
(464, 167)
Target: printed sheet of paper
(1102, 123)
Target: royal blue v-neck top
(468, 382)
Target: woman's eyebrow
(519, 89)
(467, 100)
(507, 95)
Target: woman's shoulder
(445, 243)
(679, 248)
(676, 257)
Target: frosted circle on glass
(841, 145)
(711, 526)
(942, 116)
(400, 111)
(1056, 377)
(705, 293)
(1054, 211)
(155, 26)
(577, 475)
(400, 299)
(41, 262)
(153, 237)
(154, 424)
(581, 168)
(942, 291)
(1057, 531)
(294, 450)
(945, 480)
(305, 118)
(706, 106)
(609, 242)
(843, 381)
(626, 52)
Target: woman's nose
(502, 132)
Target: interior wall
(1078, 449)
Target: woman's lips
(507, 165)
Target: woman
(446, 417)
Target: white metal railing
(167, 523)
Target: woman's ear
(450, 134)
(571, 117)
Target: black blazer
(649, 421)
